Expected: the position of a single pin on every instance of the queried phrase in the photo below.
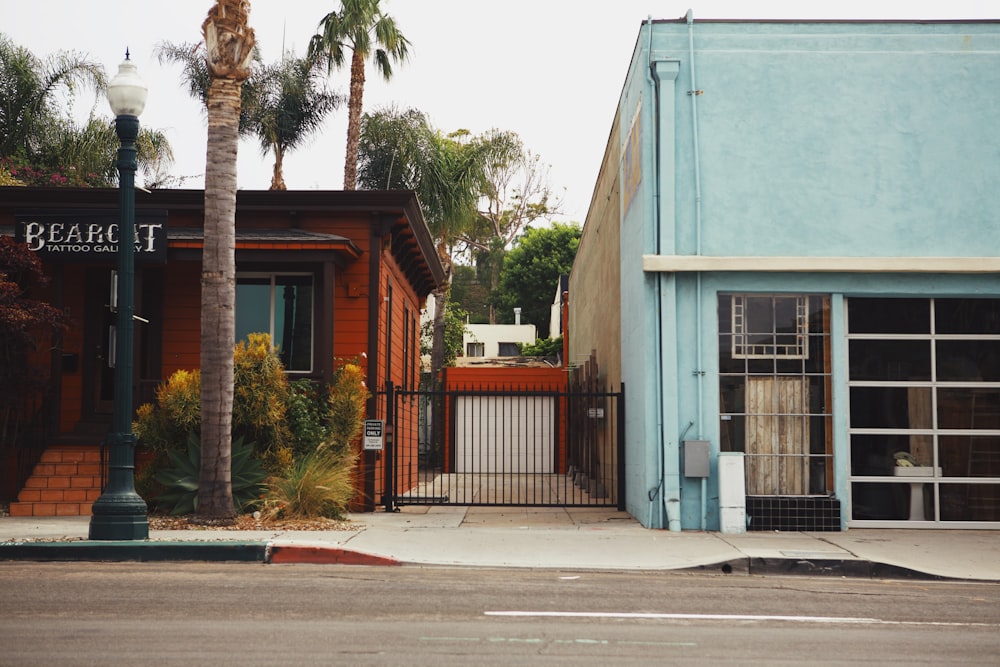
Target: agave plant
(181, 479)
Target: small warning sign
(374, 435)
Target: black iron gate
(493, 446)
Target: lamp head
(126, 91)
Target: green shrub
(166, 424)
(319, 484)
(261, 394)
(260, 398)
(348, 397)
(181, 480)
(308, 412)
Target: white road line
(845, 620)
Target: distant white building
(486, 341)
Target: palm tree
(281, 104)
(289, 107)
(402, 151)
(361, 27)
(229, 43)
(28, 87)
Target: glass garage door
(924, 386)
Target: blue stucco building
(796, 227)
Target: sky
(549, 70)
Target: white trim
(689, 263)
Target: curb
(289, 554)
(135, 551)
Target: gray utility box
(696, 458)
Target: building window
(475, 349)
(770, 327)
(280, 305)
(775, 387)
(924, 425)
(509, 350)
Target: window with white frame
(475, 349)
(770, 326)
(280, 305)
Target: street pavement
(558, 538)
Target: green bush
(261, 395)
(181, 480)
(307, 415)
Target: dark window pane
(509, 350)
(907, 316)
(969, 456)
(725, 313)
(815, 362)
(972, 408)
(293, 321)
(872, 455)
(967, 316)
(727, 364)
(760, 366)
(970, 502)
(961, 360)
(732, 433)
(880, 501)
(891, 407)
(731, 393)
(759, 315)
(890, 359)
(253, 306)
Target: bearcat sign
(91, 236)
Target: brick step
(65, 482)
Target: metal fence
(487, 445)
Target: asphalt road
(250, 614)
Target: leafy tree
(289, 106)
(402, 150)
(361, 28)
(41, 145)
(28, 89)
(454, 333)
(468, 292)
(25, 323)
(515, 193)
(281, 104)
(531, 273)
(229, 43)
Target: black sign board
(91, 236)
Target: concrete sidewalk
(572, 539)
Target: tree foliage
(25, 321)
(531, 273)
(453, 333)
(41, 145)
(515, 192)
(400, 150)
(282, 104)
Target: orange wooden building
(331, 274)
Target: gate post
(389, 455)
(621, 447)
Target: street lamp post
(120, 513)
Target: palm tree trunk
(354, 106)
(278, 177)
(218, 296)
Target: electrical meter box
(696, 458)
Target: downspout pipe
(669, 482)
(654, 493)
